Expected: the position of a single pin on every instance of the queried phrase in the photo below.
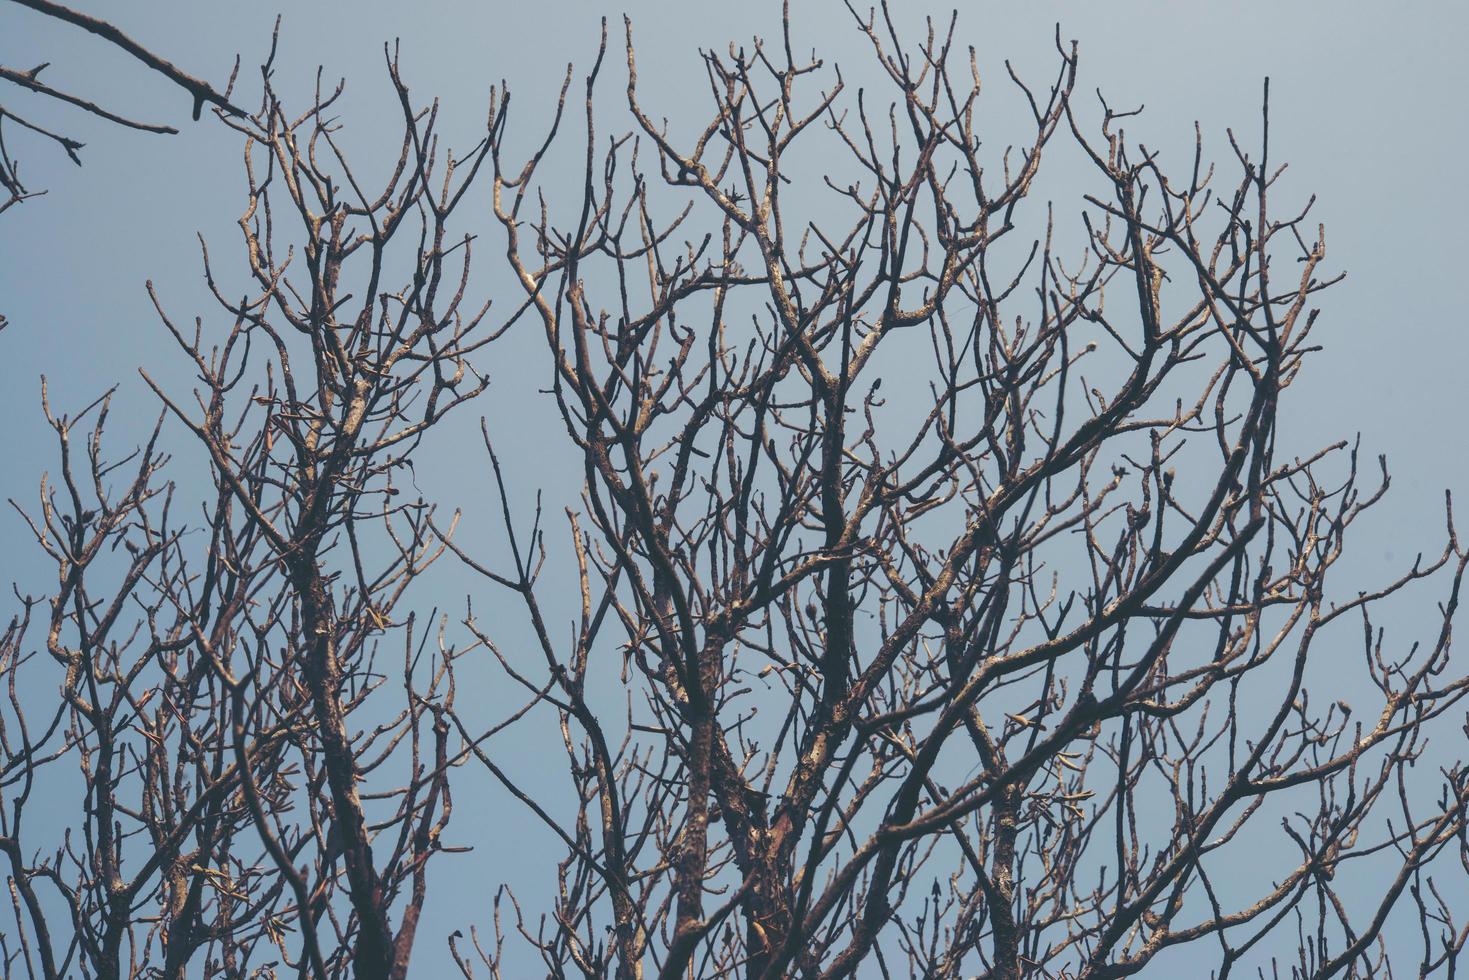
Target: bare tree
(1003, 674)
(30, 80)
(209, 684)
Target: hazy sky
(1366, 107)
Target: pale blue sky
(1367, 104)
(1366, 107)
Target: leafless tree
(30, 80)
(1004, 670)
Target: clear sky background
(1367, 107)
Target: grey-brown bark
(970, 624)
